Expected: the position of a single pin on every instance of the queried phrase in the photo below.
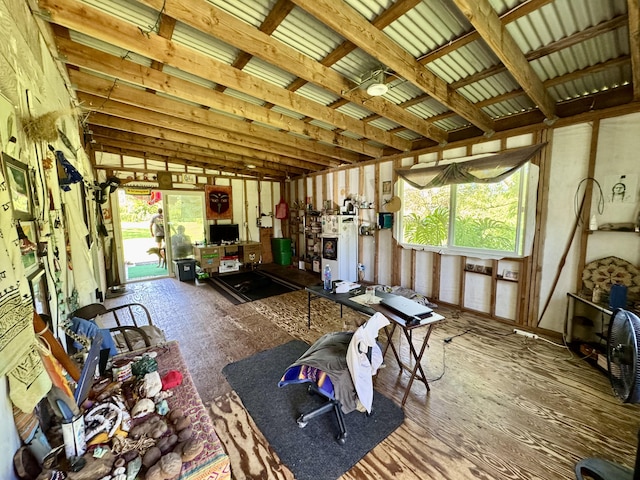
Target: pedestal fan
(624, 374)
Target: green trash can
(281, 250)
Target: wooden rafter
(91, 59)
(633, 7)
(97, 120)
(94, 23)
(348, 23)
(161, 120)
(103, 95)
(486, 21)
(207, 18)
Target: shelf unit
(312, 222)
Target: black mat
(251, 285)
(311, 452)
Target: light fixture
(250, 165)
(377, 87)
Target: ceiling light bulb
(251, 165)
(377, 89)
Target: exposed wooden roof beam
(196, 154)
(163, 120)
(278, 13)
(193, 138)
(110, 92)
(181, 158)
(146, 156)
(347, 22)
(515, 13)
(633, 8)
(566, 42)
(92, 22)
(593, 69)
(486, 21)
(89, 58)
(207, 18)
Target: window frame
(523, 223)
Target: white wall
(618, 144)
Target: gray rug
(311, 453)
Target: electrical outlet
(524, 333)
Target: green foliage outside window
(487, 216)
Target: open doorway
(142, 259)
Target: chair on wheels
(340, 366)
(130, 324)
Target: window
(470, 218)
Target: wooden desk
(416, 372)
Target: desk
(345, 299)
(416, 372)
(318, 291)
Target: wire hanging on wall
(576, 202)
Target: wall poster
(218, 200)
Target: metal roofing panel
(519, 104)
(144, 17)
(169, 70)
(287, 112)
(355, 111)
(301, 31)
(451, 123)
(409, 135)
(108, 48)
(254, 12)
(427, 26)
(463, 62)
(585, 54)
(206, 44)
(384, 124)
(428, 108)
(562, 18)
(321, 124)
(370, 9)
(244, 97)
(356, 65)
(317, 94)
(489, 87)
(269, 73)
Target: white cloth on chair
(361, 368)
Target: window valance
(488, 169)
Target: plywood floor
(502, 408)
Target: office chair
(340, 366)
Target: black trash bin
(185, 269)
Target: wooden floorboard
(504, 407)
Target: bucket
(618, 296)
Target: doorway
(140, 257)
(184, 219)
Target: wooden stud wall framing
(531, 285)
(588, 195)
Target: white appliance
(340, 246)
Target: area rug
(311, 452)
(248, 286)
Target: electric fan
(623, 365)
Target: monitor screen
(224, 233)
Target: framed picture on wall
(29, 248)
(218, 200)
(19, 186)
(39, 291)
